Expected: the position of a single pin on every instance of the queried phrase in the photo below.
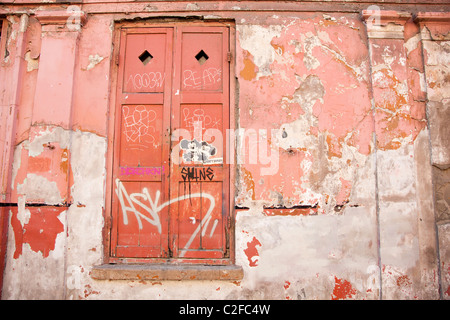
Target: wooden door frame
(230, 158)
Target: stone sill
(159, 272)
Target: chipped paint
(40, 230)
(342, 289)
(250, 69)
(353, 112)
(93, 61)
(252, 252)
(32, 64)
(308, 102)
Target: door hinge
(229, 56)
(116, 59)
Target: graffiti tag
(148, 80)
(209, 77)
(196, 174)
(138, 124)
(125, 171)
(132, 203)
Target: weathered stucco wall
(435, 37)
(339, 204)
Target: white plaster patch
(399, 241)
(87, 159)
(39, 188)
(93, 61)
(32, 64)
(423, 82)
(396, 174)
(393, 278)
(85, 216)
(256, 40)
(49, 135)
(309, 43)
(23, 214)
(437, 52)
(309, 246)
(412, 43)
(388, 56)
(296, 135)
(43, 282)
(17, 160)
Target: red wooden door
(199, 175)
(140, 227)
(171, 204)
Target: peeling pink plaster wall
(349, 110)
(291, 90)
(59, 153)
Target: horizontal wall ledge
(152, 272)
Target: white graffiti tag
(137, 124)
(128, 202)
(198, 115)
(210, 77)
(150, 80)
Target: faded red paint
(447, 293)
(52, 163)
(394, 119)
(89, 291)
(290, 212)
(287, 284)
(344, 194)
(342, 289)
(403, 281)
(40, 231)
(252, 253)
(340, 105)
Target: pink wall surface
(341, 182)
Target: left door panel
(141, 148)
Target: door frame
(229, 157)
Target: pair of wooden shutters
(170, 178)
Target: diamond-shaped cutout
(145, 57)
(201, 57)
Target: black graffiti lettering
(202, 175)
(210, 174)
(193, 174)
